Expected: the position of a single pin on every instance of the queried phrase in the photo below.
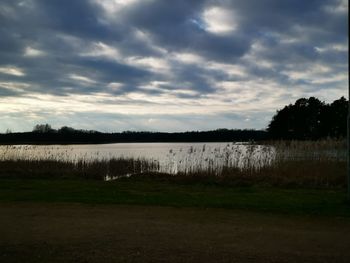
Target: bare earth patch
(32, 232)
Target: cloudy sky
(115, 65)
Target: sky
(158, 65)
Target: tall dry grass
(283, 163)
(305, 163)
(97, 169)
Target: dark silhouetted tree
(337, 115)
(43, 128)
(66, 129)
(310, 119)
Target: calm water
(172, 157)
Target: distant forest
(306, 119)
(67, 135)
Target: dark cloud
(114, 71)
(174, 27)
(80, 18)
(65, 47)
(8, 93)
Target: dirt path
(112, 233)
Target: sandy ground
(114, 233)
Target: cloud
(32, 52)
(12, 71)
(198, 64)
(81, 79)
(218, 20)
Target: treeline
(310, 119)
(306, 119)
(44, 134)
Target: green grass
(162, 192)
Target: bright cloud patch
(12, 71)
(81, 79)
(99, 49)
(152, 63)
(32, 52)
(114, 6)
(219, 20)
(115, 85)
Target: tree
(280, 125)
(338, 113)
(43, 128)
(310, 119)
(66, 130)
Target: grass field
(165, 192)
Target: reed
(284, 163)
(96, 169)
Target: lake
(172, 157)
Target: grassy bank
(326, 174)
(163, 192)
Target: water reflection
(173, 158)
